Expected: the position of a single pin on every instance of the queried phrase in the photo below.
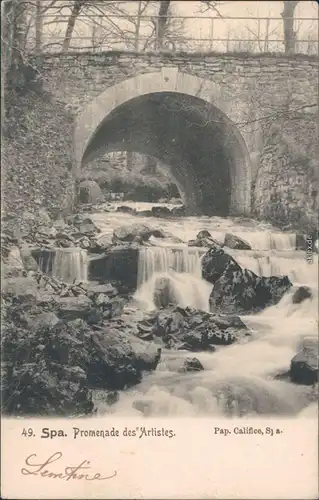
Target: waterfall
(266, 240)
(171, 275)
(247, 378)
(70, 264)
(161, 260)
(298, 270)
(238, 380)
(175, 272)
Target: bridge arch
(181, 120)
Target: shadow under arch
(205, 151)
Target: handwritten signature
(34, 468)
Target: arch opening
(206, 155)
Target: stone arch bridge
(206, 116)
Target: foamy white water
(162, 259)
(237, 380)
(260, 235)
(297, 269)
(70, 264)
(185, 289)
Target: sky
(250, 9)
(200, 29)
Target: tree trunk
(138, 26)
(161, 23)
(76, 9)
(14, 18)
(38, 27)
(288, 22)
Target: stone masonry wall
(255, 86)
(286, 189)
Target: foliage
(36, 154)
(136, 186)
(43, 370)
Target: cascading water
(162, 260)
(238, 380)
(278, 264)
(267, 240)
(243, 379)
(70, 264)
(180, 271)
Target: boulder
(147, 354)
(233, 241)
(119, 265)
(169, 237)
(161, 212)
(203, 234)
(126, 210)
(215, 262)
(270, 290)
(29, 262)
(304, 365)
(14, 259)
(44, 258)
(205, 240)
(96, 289)
(74, 307)
(101, 243)
(191, 365)
(47, 232)
(163, 292)
(90, 192)
(87, 227)
(117, 361)
(83, 224)
(195, 330)
(44, 320)
(178, 211)
(240, 291)
(144, 213)
(85, 243)
(237, 290)
(135, 233)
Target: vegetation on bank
(135, 184)
(36, 155)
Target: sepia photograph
(159, 213)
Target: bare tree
(212, 5)
(13, 28)
(288, 22)
(161, 23)
(253, 39)
(142, 6)
(38, 27)
(76, 9)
